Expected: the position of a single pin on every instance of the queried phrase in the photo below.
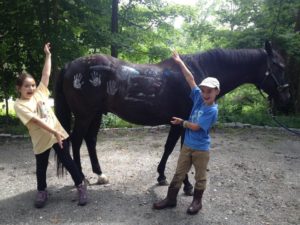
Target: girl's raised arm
(47, 66)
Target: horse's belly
(143, 113)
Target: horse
(151, 94)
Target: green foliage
(12, 125)
(112, 121)
(246, 105)
(243, 101)
(146, 30)
(146, 34)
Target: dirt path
(254, 179)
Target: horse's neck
(233, 68)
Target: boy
(195, 149)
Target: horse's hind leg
(76, 139)
(91, 141)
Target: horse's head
(274, 81)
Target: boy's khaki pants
(187, 158)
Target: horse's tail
(62, 111)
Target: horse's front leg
(173, 136)
(187, 186)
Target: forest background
(143, 31)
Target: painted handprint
(77, 82)
(95, 81)
(112, 87)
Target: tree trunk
(114, 27)
(6, 107)
(297, 30)
(54, 35)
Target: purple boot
(82, 194)
(41, 199)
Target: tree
(140, 31)
(274, 20)
(294, 62)
(145, 30)
(12, 25)
(114, 26)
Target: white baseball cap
(210, 82)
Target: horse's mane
(228, 56)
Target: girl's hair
(22, 76)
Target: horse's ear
(268, 48)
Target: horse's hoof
(102, 179)
(86, 182)
(162, 180)
(188, 191)
(163, 183)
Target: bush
(112, 121)
(246, 105)
(12, 125)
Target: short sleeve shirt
(37, 106)
(203, 115)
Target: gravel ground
(253, 174)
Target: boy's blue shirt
(203, 115)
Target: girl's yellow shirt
(37, 106)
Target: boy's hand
(176, 57)
(176, 121)
(47, 49)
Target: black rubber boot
(170, 201)
(197, 202)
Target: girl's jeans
(66, 160)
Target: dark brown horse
(151, 94)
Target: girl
(45, 130)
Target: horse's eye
(282, 65)
(279, 65)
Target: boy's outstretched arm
(185, 123)
(47, 66)
(186, 72)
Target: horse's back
(140, 93)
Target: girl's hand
(176, 121)
(59, 139)
(47, 49)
